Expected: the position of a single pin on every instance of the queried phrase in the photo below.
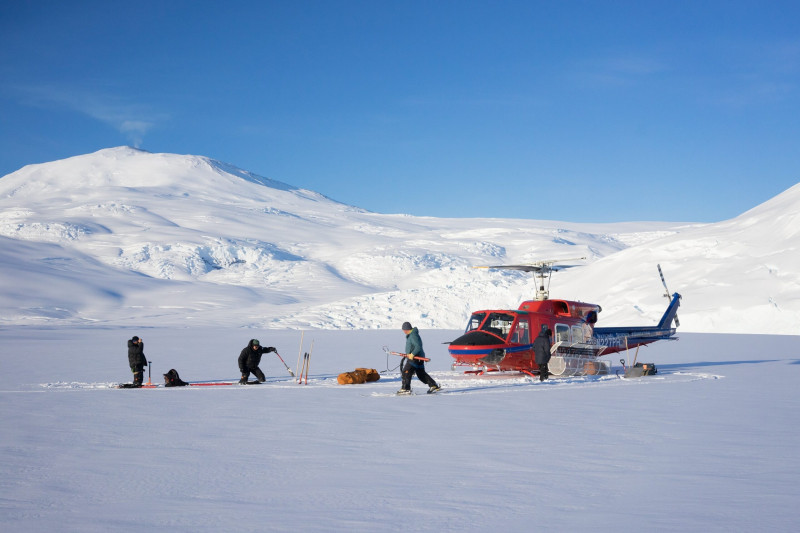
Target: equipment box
(640, 369)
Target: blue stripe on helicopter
(485, 351)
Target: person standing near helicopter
(541, 351)
(413, 365)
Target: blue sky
(584, 111)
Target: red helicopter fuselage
(502, 340)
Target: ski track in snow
(451, 383)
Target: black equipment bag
(172, 379)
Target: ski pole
(149, 366)
(284, 363)
(309, 359)
(300, 352)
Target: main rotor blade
(524, 268)
(529, 268)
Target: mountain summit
(125, 168)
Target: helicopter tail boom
(621, 338)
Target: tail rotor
(667, 294)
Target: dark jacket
(541, 348)
(250, 358)
(136, 354)
(414, 345)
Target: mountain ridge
(217, 244)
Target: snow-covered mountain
(123, 236)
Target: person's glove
(271, 349)
(410, 356)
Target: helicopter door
(521, 333)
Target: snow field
(708, 444)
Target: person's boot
(433, 388)
(137, 379)
(243, 381)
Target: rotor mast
(542, 270)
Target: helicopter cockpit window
(499, 324)
(475, 321)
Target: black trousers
(256, 372)
(408, 372)
(138, 374)
(544, 373)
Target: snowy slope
(736, 276)
(123, 236)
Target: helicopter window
(562, 333)
(577, 334)
(521, 334)
(560, 308)
(498, 323)
(475, 321)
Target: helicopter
(502, 340)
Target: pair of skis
(306, 361)
(148, 385)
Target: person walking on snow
(136, 359)
(415, 366)
(249, 360)
(541, 351)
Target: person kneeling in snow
(249, 360)
(413, 365)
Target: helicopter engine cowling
(477, 338)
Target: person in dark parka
(541, 351)
(136, 359)
(412, 365)
(250, 358)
